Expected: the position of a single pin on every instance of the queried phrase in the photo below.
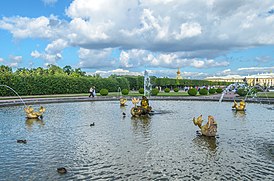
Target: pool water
(164, 146)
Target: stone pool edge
(16, 102)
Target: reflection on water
(239, 114)
(31, 122)
(206, 143)
(162, 146)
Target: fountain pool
(163, 146)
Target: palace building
(265, 79)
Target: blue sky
(202, 37)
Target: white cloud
(96, 58)
(155, 33)
(116, 71)
(56, 46)
(1, 60)
(48, 58)
(14, 60)
(136, 58)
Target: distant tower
(179, 74)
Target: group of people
(92, 91)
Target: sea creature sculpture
(144, 109)
(210, 128)
(123, 101)
(31, 114)
(240, 107)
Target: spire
(179, 74)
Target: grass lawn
(116, 94)
(266, 94)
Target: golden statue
(31, 114)
(240, 107)
(144, 109)
(209, 129)
(123, 101)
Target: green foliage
(125, 92)
(104, 92)
(141, 90)
(154, 92)
(241, 92)
(176, 89)
(212, 91)
(192, 92)
(219, 90)
(167, 90)
(203, 91)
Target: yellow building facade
(266, 79)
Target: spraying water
(119, 92)
(15, 93)
(232, 87)
(251, 91)
(147, 85)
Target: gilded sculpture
(123, 101)
(143, 109)
(32, 115)
(240, 106)
(209, 129)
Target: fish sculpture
(123, 101)
(240, 106)
(144, 109)
(209, 129)
(31, 114)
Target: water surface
(163, 146)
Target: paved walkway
(10, 101)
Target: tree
(67, 69)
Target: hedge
(154, 92)
(141, 90)
(192, 92)
(167, 90)
(241, 92)
(203, 91)
(56, 84)
(104, 92)
(176, 89)
(212, 91)
(219, 90)
(125, 92)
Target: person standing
(91, 91)
(94, 92)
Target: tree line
(66, 80)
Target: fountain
(147, 85)
(122, 99)
(251, 91)
(209, 129)
(142, 110)
(15, 93)
(30, 114)
(240, 106)
(232, 87)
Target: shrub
(141, 90)
(104, 92)
(154, 92)
(212, 91)
(219, 90)
(192, 92)
(125, 92)
(167, 90)
(241, 92)
(176, 89)
(203, 91)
